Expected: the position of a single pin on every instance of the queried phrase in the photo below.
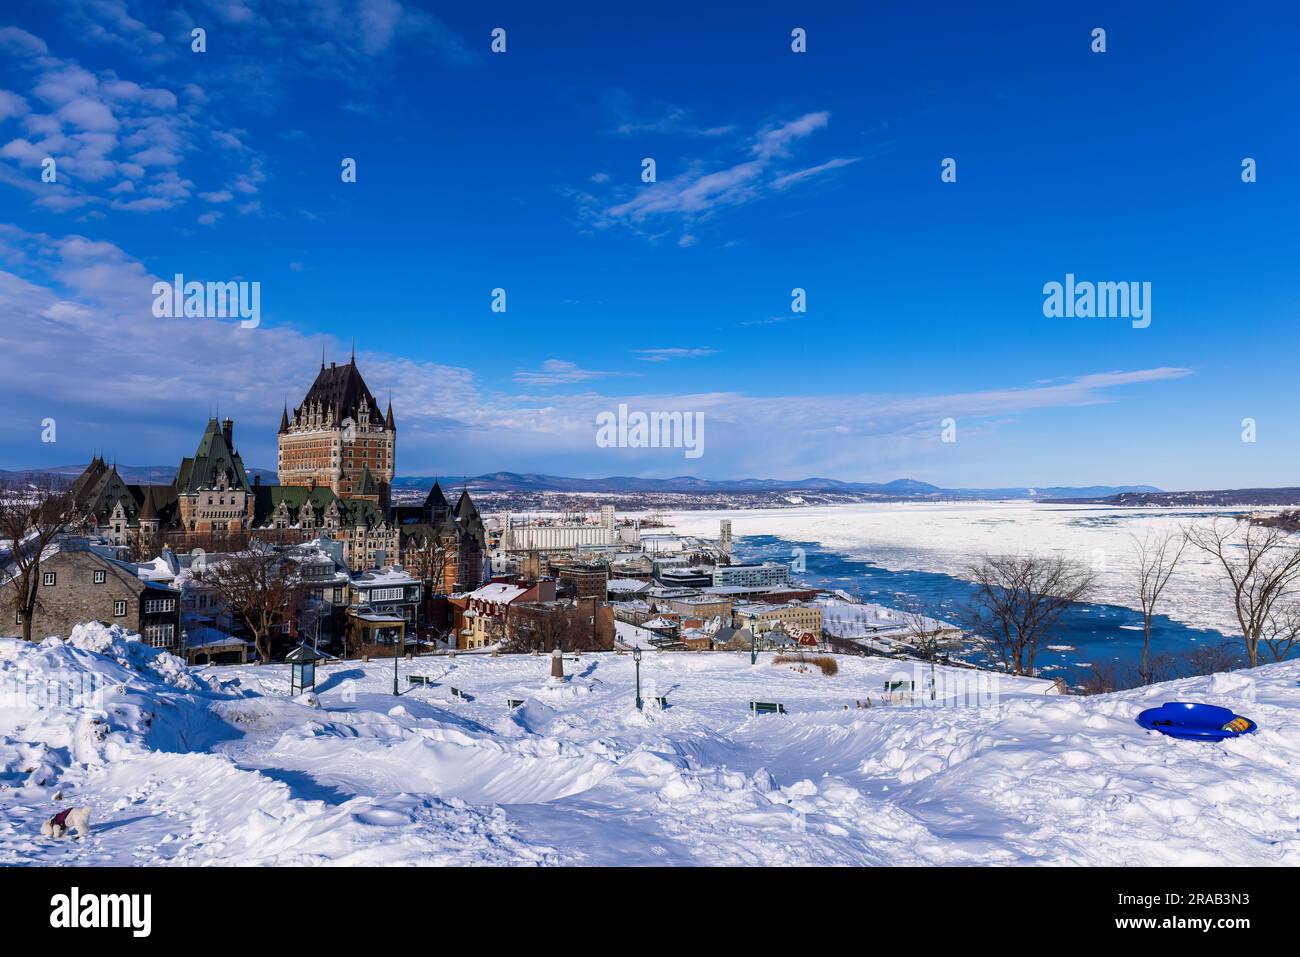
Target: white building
(752, 576)
(550, 536)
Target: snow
(634, 636)
(852, 619)
(946, 537)
(500, 593)
(219, 765)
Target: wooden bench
(766, 707)
(662, 701)
(419, 679)
(462, 695)
(514, 702)
(892, 686)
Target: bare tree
(570, 626)
(429, 557)
(1157, 556)
(1019, 598)
(259, 585)
(1282, 632)
(924, 635)
(1262, 565)
(32, 516)
(1207, 659)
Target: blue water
(1096, 631)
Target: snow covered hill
(221, 766)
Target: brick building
(337, 439)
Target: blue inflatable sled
(1195, 722)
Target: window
(100, 577)
(119, 609)
(48, 578)
(159, 636)
(156, 606)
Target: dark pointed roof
(147, 511)
(284, 420)
(155, 502)
(340, 388)
(82, 485)
(388, 419)
(213, 456)
(465, 507)
(435, 498)
(367, 484)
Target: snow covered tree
(1018, 600)
(1262, 565)
(32, 516)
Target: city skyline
(776, 171)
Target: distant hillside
(1221, 498)
(897, 489)
(131, 474)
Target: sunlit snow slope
(221, 766)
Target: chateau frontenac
(336, 462)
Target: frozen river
(894, 552)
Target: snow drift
(221, 766)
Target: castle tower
(338, 439)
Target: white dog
(74, 819)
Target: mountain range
(682, 484)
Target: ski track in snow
(221, 766)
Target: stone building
(368, 537)
(209, 497)
(82, 581)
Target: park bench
(662, 701)
(766, 707)
(514, 702)
(462, 695)
(419, 679)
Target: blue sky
(775, 170)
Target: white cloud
(664, 355)
(559, 372)
(77, 311)
(20, 43)
(703, 189)
(11, 104)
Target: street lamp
(397, 648)
(636, 657)
(753, 647)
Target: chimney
(228, 430)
